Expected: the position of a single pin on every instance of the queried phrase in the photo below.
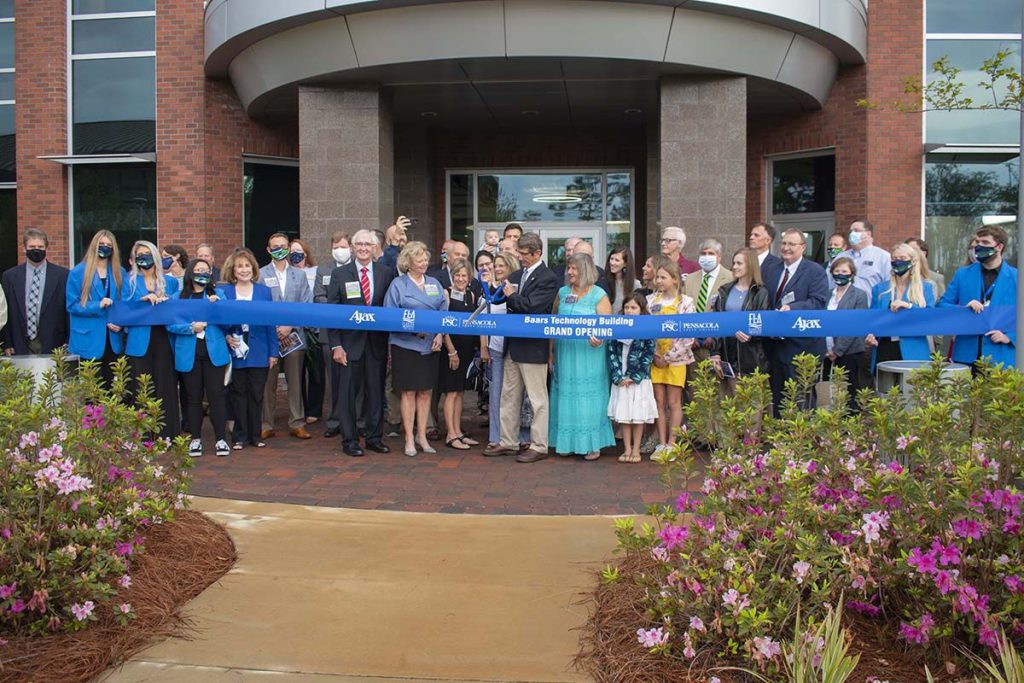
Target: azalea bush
(910, 511)
(80, 484)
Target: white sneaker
(195, 448)
(222, 448)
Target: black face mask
(104, 251)
(983, 253)
(902, 267)
(35, 255)
(145, 261)
(201, 279)
(842, 280)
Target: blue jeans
(495, 373)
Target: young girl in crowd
(632, 403)
(671, 356)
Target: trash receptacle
(896, 373)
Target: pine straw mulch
(609, 651)
(181, 559)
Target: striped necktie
(702, 298)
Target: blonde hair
(510, 261)
(91, 261)
(915, 286)
(228, 273)
(410, 252)
(160, 288)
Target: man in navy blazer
(530, 290)
(796, 284)
(361, 355)
(760, 240)
(37, 320)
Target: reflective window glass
(6, 9)
(806, 185)
(973, 16)
(7, 144)
(118, 197)
(957, 196)
(532, 197)
(271, 204)
(460, 191)
(967, 126)
(6, 86)
(114, 35)
(7, 45)
(620, 209)
(108, 6)
(114, 106)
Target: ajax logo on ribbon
(359, 318)
(806, 324)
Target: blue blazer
(138, 335)
(809, 287)
(184, 340)
(89, 333)
(911, 348)
(262, 341)
(965, 287)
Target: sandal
(468, 441)
(457, 444)
(592, 456)
(237, 446)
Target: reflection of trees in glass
(619, 197)
(507, 209)
(804, 185)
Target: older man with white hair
(673, 239)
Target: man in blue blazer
(796, 284)
(760, 240)
(286, 284)
(989, 281)
(35, 290)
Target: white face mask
(342, 255)
(707, 263)
(855, 238)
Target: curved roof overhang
(266, 47)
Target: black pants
(363, 375)
(204, 378)
(334, 416)
(158, 363)
(781, 369)
(106, 362)
(247, 385)
(313, 384)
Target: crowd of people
(572, 396)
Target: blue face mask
(296, 257)
(842, 280)
(983, 253)
(902, 267)
(166, 262)
(104, 251)
(144, 261)
(855, 238)
(201, 279)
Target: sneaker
(195, 448)
(222, 448)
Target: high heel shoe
(411, 452)
(427, 448)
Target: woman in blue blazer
(201, 356)
(254, 349)
(93, 286)
(148, 347)
(905, 289)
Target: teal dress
(580, 386)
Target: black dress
(465, 344)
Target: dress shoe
(377, 447)
(353, 449)
(267, 434)
(301, 433)
(434, 434)
(531, 456)
(331, 432)
(498, 450)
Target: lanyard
(987, 296)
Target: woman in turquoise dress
(581, 384)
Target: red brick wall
(41, 120)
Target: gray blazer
(296, 288)
(323, 281)
(853, 299)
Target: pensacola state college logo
(449, 321)
(359, 318)
(754, 324)
(670, 326)
(408, 320)
(807, 324)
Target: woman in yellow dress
(671, 356)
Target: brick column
(346, 162)
(703, 161)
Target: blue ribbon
(913, 322)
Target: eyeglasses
(793, 244)
(362, 244)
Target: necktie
(34, 295)
(782, 286)
(702, 298)
(364, 284)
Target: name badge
(458, 296)
(326, 280)
(788, 299)
(431, 289)
(656, 308)
(869, 263)
(571, 299)
(271, 282)
(352, 290)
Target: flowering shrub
(911, 510)
(81, 484)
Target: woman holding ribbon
(415, 356)
(744, 353)
(93, 286)
(581, 382)
(148, 347)
(453, 368)
(905, 289)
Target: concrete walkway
(330, 595)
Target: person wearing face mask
(836, 246)
(37, 320)
(204, 252)
(872, 262)
(286, 283)
(849, 353)
(173, 260)
(341, 254)
(905, 289)
(991, 281)
(148, 347)
(703, 288)
(313, 369)
(92, 287)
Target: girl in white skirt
(631, 403)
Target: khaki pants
(534, 377)
(293, 377)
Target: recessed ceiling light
(428, 114)
(530, 112)
(632, 111)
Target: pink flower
(903, 441)
(672, 536)
(988, 637)
(685, 503)
(895, 468)
(874, 524)
(17, 606)
(811, 467)
(696, 624)
(125, 581)
(731, 597)
(1014, 584)
(8, 590)
(123, 548)
(82, 611)
(967, 528)
(125, 607)
(947, 554)
(917, 634)
(924, 562)
(688, 650)
(767, 649)
(656, 637)
(6, 533)
(945, 581)
(864, 608)
(30, 439)
(800, 570)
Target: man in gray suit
(286, 284)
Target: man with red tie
(362, 355)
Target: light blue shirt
(405, 294)
(874, 265)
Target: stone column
(703, 164)
(346, 162)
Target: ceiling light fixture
(557, 199)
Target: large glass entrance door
(554, 239)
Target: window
(112, 6)
(460, 207)
(973, 16)
(9, 248)
(117, 197)
(803, 196)
(534, 198)
(271, 204)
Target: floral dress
(679, 351)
